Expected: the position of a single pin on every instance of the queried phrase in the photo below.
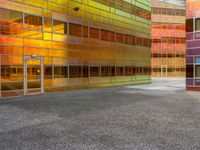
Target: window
(113, 36)
(197, 71)
(146, 71)
(75, 29)
(167, 11)
(75, 71)
(85, 71)
(119, 71)
(10, 18)
(143, 13)
(189, 25)
(128, 71)
(33, 22)
(128, 39)
(134, 70)
(11, 77)
(137, 70)
(138, 41)
(197, 24)
(9, 72)
(156, 40)
(133, 40)
(147, 42)
(140, 70)
(48, 24)
(59, 27)
(197, 60)
(85, 31)
(105, 71)
(105, 35)
(119, 37)
(48, 72)
(60, 71)
(113, 71)
(94, 71)
(94, 33)
(189, 71)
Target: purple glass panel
(191, 44)
(197, 35)
(189, 81)
(195, 51)
(189, 59)
(189, 36)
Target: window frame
(23, 22)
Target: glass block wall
(168, 38)
(59, 45)
(193, 45)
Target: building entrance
(164, 70)
(33, 75)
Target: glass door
(33, 75)
(164, 70)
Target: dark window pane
(94, 71)
(75, 71)
(11, 73)
(189, 25)
(85, 71)
(138, 41)
(119, 37)
(119, 71)
(113, 71)
(85, 31)
(133, 40)
(189, 71)
(33, 22)
(75, 29)
(105, 71)
(113, 36)
(128, 39)
(60, 71)
(105, 35)
(94, 33)
(48, 72)
(128, 71)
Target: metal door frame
(41, 73)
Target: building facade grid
(168, 38)
(51, 45)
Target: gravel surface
(158, 116)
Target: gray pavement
(158, 116)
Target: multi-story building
(58, 45)
(193, 45)
(168, 38)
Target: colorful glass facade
(58, 45)
(168, 38)
(193, 45)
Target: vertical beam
(0, 76)
(42, 74)
(25, 74)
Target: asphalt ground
(157, 116)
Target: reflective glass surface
(168, 38)
(82, 42)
